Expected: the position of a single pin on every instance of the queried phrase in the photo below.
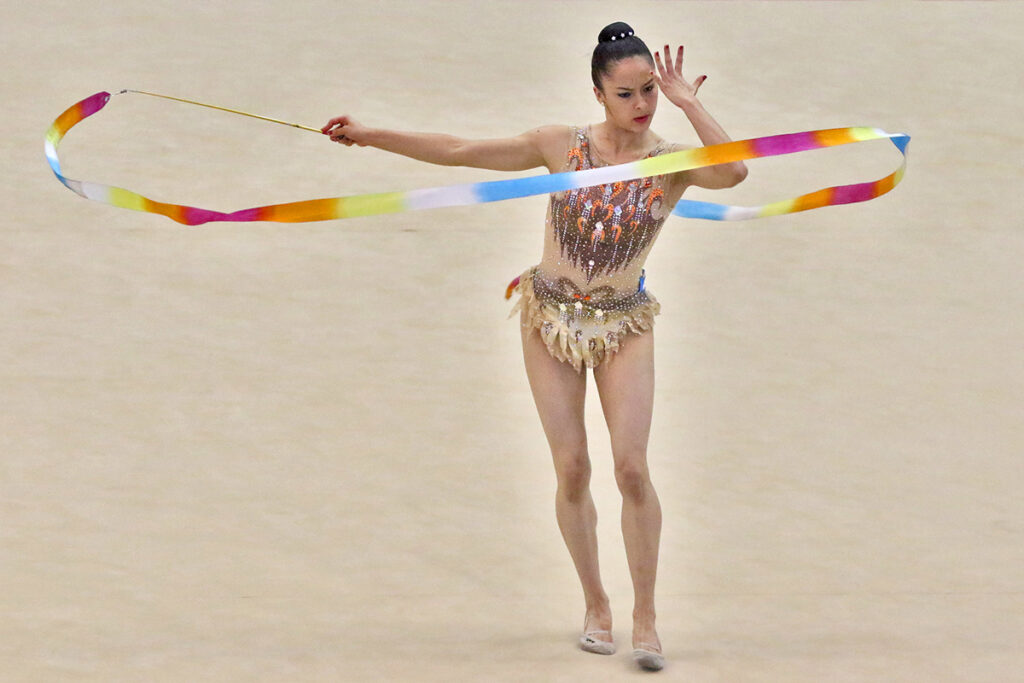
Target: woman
(585, 303)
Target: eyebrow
(622, 87)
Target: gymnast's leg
(559, 391)
(625, 383)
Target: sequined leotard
(588, 291)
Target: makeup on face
(631, 93)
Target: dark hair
(614, 42)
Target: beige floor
(308, 453)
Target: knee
(633, 478)
(572, 468)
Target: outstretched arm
(683, 94)
(537, 147)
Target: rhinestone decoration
(602, 230)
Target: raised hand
(670, 79)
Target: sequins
(604, 229)
(582, 332)
(588, 293)
(594, 303)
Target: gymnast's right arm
(533, 148)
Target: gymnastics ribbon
(498, 190)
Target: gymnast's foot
(646, 644)
(597, 632)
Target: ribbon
(499, 190)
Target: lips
(642, 119)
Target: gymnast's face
(629, 93)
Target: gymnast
(585, 303)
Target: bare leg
(559, 392)
(625, 383)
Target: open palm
(670, 78)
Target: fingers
(677, 67)
(669, 67)
(699, 82)
(657, 63)
(336, 121)
(336, 128)
(335, 131)
(658, 82)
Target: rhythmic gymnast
(585, 304)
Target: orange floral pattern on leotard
(602, 229)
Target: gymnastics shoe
(648, 657)
(590, 643)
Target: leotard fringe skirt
(582, 329)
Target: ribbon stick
(230, 111)
(499, 190)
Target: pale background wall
(308, 452)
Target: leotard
(588, 292)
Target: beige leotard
(588, 291)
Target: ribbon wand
(231, 111)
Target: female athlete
(585, 304)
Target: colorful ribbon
(498, 190)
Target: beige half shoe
(591, 643)
(648, 657)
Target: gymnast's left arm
(683, 94)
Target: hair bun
(616, 42)
(620, 30)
